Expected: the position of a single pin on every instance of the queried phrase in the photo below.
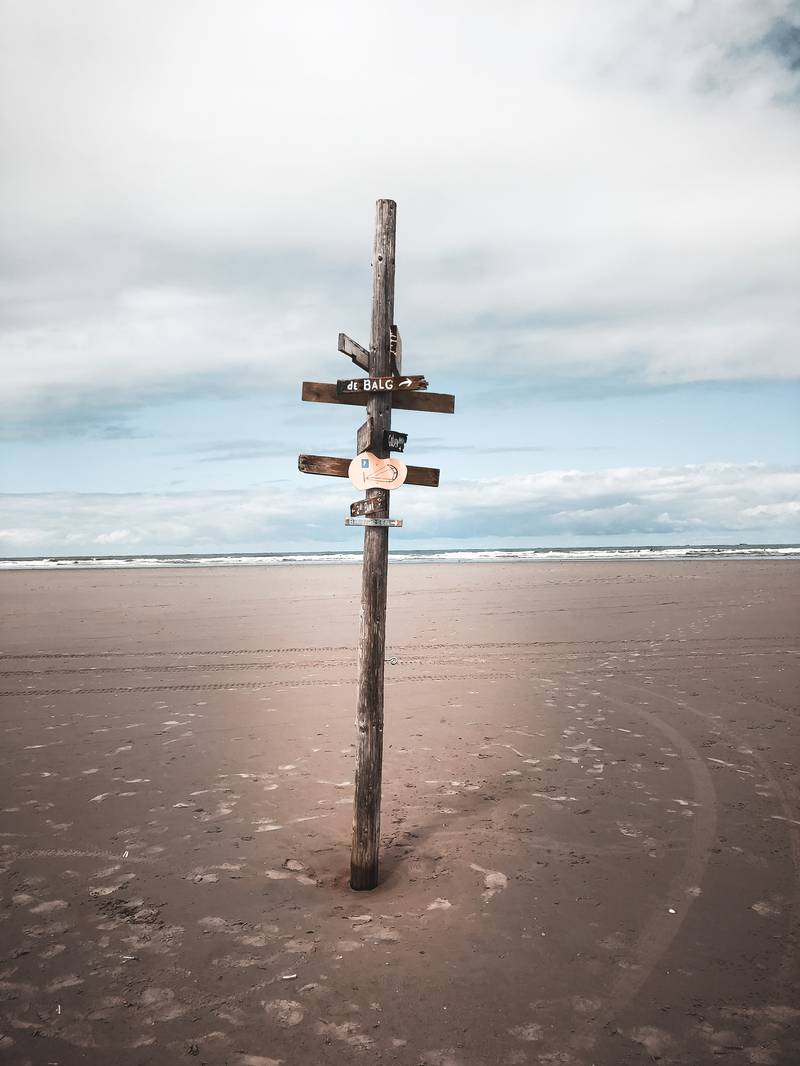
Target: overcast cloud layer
(187, 189)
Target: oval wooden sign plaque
(367, 471)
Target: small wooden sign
(381, 522)
(366, 507)
(411, 383)
(366, 437)
(368, 471)
(351, 348)
(396, 351)
(394, 441)
(333, 466)
(323, 392)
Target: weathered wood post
(364, 858)
(370, 470)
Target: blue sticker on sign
(365, 464)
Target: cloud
(745, 500)
(713, 501)
(226, 451)
(186, 194)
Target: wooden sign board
(394, 441)
(366, 507)
(366, 437)
(333, 466)
(368, 471)
(380, 522)
(411, 383)
(437, 402)
(353, 349)
(396, 351)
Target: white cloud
(699, 500)
(592, 188)
(118, 537)
(714, 501)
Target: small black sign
(394, 441)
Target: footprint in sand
(766, 908)
(440, 904)
(494, 881)
(285, 1011)
(50, 905)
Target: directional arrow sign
(437, 402)
(366, 506)
(384, 522)
(410, 383)
(359, 355)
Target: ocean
(466, 555)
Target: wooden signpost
(383, 389)
(390, 384)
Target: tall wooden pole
(364, 859)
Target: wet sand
(591, 817)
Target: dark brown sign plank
(366, 437)
(442, 403)
(331, 466)
(328, 465)
(436, 402)
(409, 383)
(369, 505)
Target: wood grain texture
(365, 853)
(333, 466)
(351, 348)
(436, 402)
(364, 507)
(326, 465)
(396, 351)
(365, 437)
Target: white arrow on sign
(380, 523)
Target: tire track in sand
(661, 929)
(771, 776)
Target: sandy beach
(591, 817)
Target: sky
(597, 252)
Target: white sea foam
(467, 555)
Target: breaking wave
(466, 555)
